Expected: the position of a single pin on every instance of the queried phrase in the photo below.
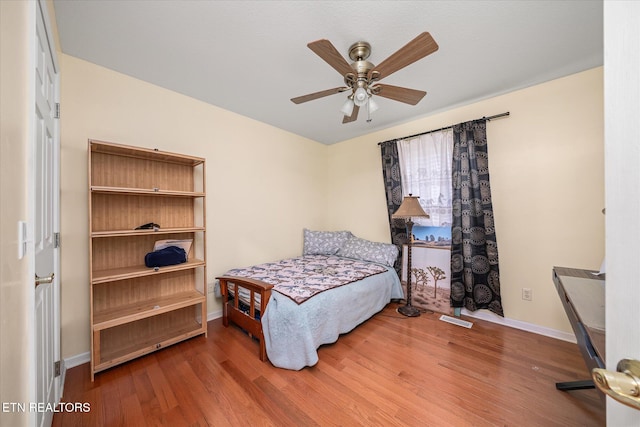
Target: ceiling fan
(361, 77)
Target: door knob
(624, 385)
(45, 279)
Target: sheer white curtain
(425, 166)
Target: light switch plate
(22, 239)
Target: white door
(44, 183)
(622, 187)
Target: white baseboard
(77, 360)
(518, 324)
(214, 315)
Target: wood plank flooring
(390, 371)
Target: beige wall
(264, 185)
(547, 179)
(16, 286)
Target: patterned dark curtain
(393, 190)
(475, 278)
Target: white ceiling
(251, 57)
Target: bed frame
(245, 319)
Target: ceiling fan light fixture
(373, 105)
(360, 96)
(347, 107)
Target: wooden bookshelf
(137, 309)
(120, 344)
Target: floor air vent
(456, 321)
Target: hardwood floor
(391, 370)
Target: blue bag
(171, 255)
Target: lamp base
(409, 311)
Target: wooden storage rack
(136, 310)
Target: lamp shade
(360, 97)
(347, 107)
(373, 105)
(410, 207)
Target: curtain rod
(495, 116)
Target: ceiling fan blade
(327, 51)
(416, 49)
(316, 95)
(353, 117)
(397, 93)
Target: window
(425, 166)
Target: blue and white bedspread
(293, 332)
(303, 277)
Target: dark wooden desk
(583, 298)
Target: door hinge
(56, 368)
(56, 114)
(56, 240)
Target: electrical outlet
(209, 288)
(527, 294)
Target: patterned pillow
(324, 242)
(383, 253)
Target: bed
(295, 305)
